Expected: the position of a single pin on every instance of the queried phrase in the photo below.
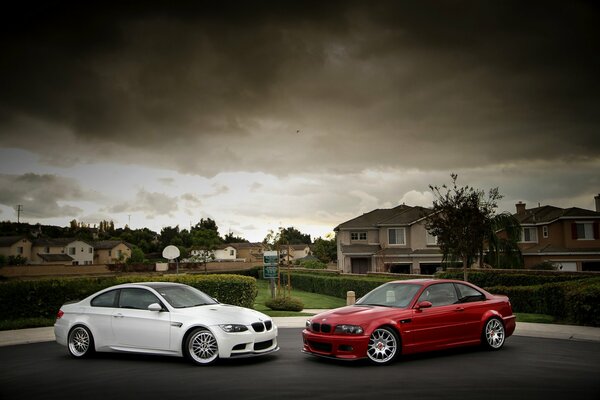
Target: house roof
(547, 214)
(400, 215)
(551, 249)
(109, 244)
(52, 242)
(7, 241)
(245, 245)
(55, 257)
(360, 249)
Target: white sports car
(163, 318)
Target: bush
(334, 285)
(43, 298)
(285, 304)
(545, 266)
(575, 301)
(513, 278)
(313, 264)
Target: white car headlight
(308, 324)
(349, 329)
(233, 328)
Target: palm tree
(503, 234)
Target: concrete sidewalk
(553, 331)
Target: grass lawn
(536, 318)
(310, 300)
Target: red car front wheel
(383, 346)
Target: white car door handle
(119, 315)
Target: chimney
(597, 198)
(521, 207)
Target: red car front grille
(322, 328)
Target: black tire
(493, 334)
(384, 346)
(80, 342)
(200, 347)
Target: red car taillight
(59, 314)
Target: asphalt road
(526, 368)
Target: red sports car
(411, 316)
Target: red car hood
(359, 315)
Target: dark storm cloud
(152, 204)
(288, 86)
(41, 195)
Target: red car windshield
(390, 295)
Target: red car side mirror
(424, 304)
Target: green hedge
(575, 302)
(335, 285)
(43, 298)
(491, 278)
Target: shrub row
(491, 278)
(334, 285)
(574, 301)
(43, 298)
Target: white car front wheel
(201, 347)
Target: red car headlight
(349, 329)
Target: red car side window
(440, 294)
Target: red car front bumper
(343, 347)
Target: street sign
(270, 261)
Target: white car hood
(215, 314)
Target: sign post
(270, 268)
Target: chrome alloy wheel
(494, 333)
(382, 347)
(202, 347)
(80, 341)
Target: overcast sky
(260, 114)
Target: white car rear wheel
(80, 342)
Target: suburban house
(111, 251)
(296, 251)
(388, 240)
(566, 237)
(15, 246)
(61, 251)
(250, 252)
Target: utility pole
(19, 210)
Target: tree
(291, 235)
(325, 249)
(168, 236)
(231, 238)
(137, 256)
(461, 220)
(206, 241)
(502, 240)
(285, 236)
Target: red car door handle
(459, 309)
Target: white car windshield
(185, 296)
(390, 295)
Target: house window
(529, 235)
(545, 232)
(396, 236)
(431, 240)
(231, 253)
(20, 250)
(584, 231)
(90, 250)
(110, 253)
(47, 250)
(71, 251)
(358, 236)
